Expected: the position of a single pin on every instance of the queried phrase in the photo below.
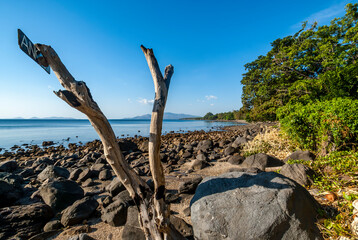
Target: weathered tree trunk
(152, 208)
(161, 86)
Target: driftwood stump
(154, 212)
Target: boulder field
(215, 192)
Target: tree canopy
(317, 63)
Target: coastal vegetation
(318, 63)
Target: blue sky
(207, 42)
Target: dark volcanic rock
(27, 172)
(298, 172)
(229, 151)
(236, 159)
(144, 146)
(301, 155)
(88, 183)
(201, 157)
(115, 187)
(85, 174)
(52, 225)
(115, 214)
(61, 193)
(187, 154)
(8, 194)
(44, 161)
(75, 174)
(124, 197)
(132, 229)
(13, 179)
(132, 233)
(52, 172)
(82, 236)
(261, 161)
(189, 186)
(8, 166)
(47, 143)
(205, 145)
(96, 168)
(198, 164)
(240, 141)
(78, 211)
(181, 226)
(105, 174)
(23, 221)
(241, 205)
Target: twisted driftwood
(154, 213)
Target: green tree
(316, 63)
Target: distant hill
(167, 116)
(52, 118)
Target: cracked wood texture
(78, 96)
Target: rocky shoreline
(55, 192)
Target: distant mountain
(167, 116)
(52, 118)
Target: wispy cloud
(211, 104)
(324, 16)
(211, 97)
(145, 101)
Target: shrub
(325, 126)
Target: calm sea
(64, 131)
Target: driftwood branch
(154, 214)
(161, 86)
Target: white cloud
(145, 101)
(211, 97)
(212, 104)
(324, 16)
(129, 100)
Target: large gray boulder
(242, 205)
(61, 193)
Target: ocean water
(64, 131)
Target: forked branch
(154, 213)
(161, 86)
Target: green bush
(324, 126)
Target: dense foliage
(318, 63)
(234, 115)
(326, 126)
